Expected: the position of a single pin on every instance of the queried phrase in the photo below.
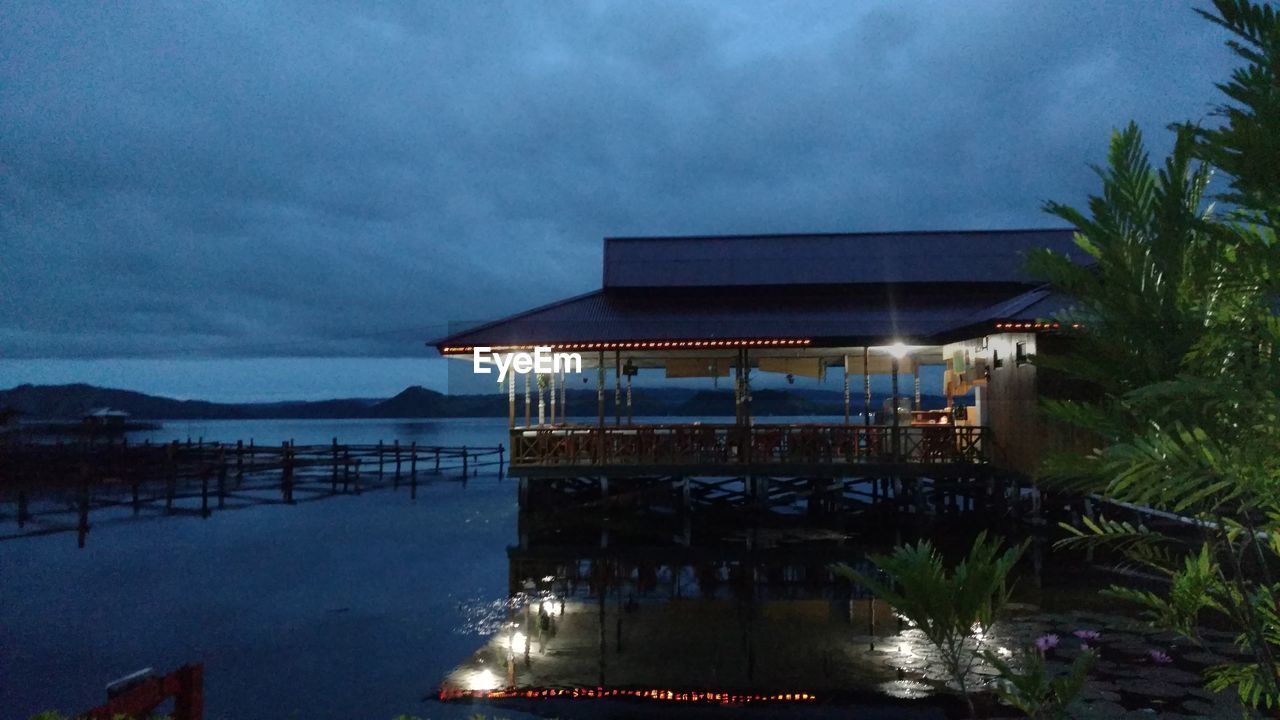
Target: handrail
(717, 444)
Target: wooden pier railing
(698, 444)
(42, 481)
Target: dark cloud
(316, 179)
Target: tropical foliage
(1180, 355)
(1028, 685)
(953, 607)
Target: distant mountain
(71, 402)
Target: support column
(527, 408)
(846, 389)
(600, 390)
(617, 388)
(629, 423)
(737, 389)
(600, 408)
(542, 400)
(552, 381)
(915, 373)
(897, 445)
(866, 386)
(564, 398)
(511, 401)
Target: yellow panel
(804, 367)
(698, 367)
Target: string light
(659, 694)
(641, 345)
(1036, 326)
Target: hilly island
(53, 402)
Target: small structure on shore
(105, 419)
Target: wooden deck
(817, 449)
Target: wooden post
(413, 476)
(397, 485)
(897, 447)
(551, 382)
(333, 478)
(915, 372)
(239, 462)
(600, 408)
(172, 484)
(501, 465)
(866, 401)
(437, 454)
(846, 390)
(203, 469)
(396, 447)
(464, 463)
(286, 473)
(527, 408)
(542, 402)
(413, 458)
(222, 479)
(357, 476)
(511, 400)
(629, 419)
(617, 388)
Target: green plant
(1181, 356)
(953, 607)
(1033, 689)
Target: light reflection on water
(481, 617)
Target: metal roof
(834, 290)
(822, 259)
(827, 315)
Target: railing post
(333, 478)
(172, 482)
(222, 479)
(203, 469)
(286, 473)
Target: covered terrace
(846, 307)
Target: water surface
(349, 607)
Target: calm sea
(350, 607)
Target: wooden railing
(701, 444)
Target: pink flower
(1045, 643)
(1159, 657)
(1087, 635)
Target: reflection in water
(693, 607)
(614, 596)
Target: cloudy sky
(237, 200)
